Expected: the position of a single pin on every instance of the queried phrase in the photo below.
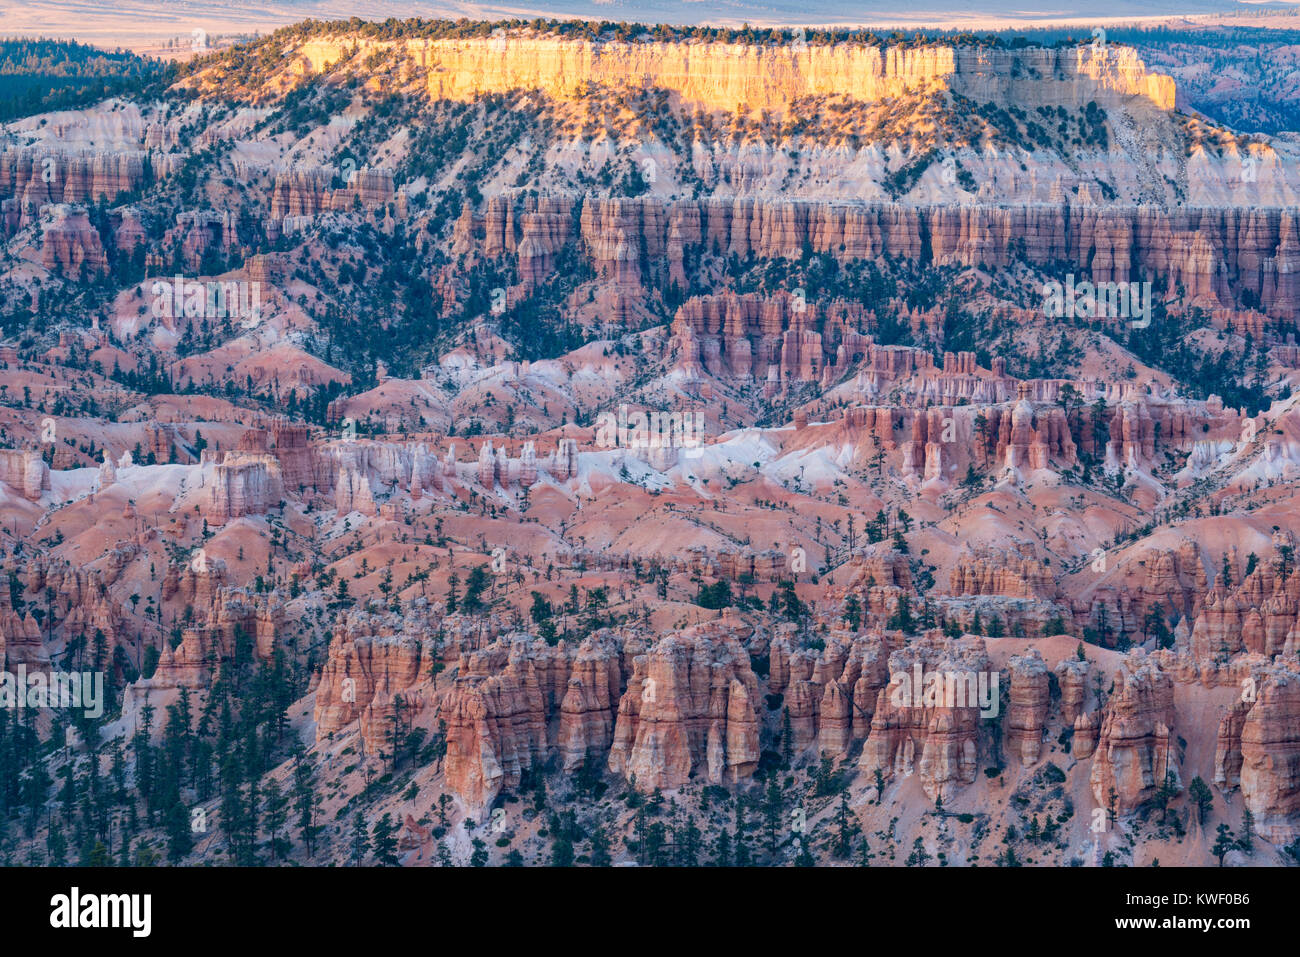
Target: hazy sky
(140, 23)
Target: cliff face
(1219, 254)
(1258, 750)
(718, 76)
(496, 723)
(244, 484)
(365, 677)
(690, 708)
(25, 472)
(1257, 613)
(1136, 749)
(309, 192)
(830, 694)
(221, 614)
(1270, 756)
(1027, 714)
(922, 728)
(38, 177)
(70, 244)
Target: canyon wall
(721, 76)
(1212, 253)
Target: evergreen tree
(919, 855)
(846, 827)
(56, 846)
(773, 815)
(305, 803)
(743, 857)
(98, 855)
(1167, 791)
(360, 840)
(804, 858)
(561, 851)
(722, 849)
(600, 856)
(1201, 797)
(479, 857)
(1223, 843)
(864, 854)
(179, 830)
(383, 838)
(853, 612)
(475, 585)
(452, 584)
(688, 844)
(275, 815)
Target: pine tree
(275, 815)
(853, 612)
(919, 855)
(773, 813)
(846, 827)
(864, 854)
(561, 851)
(383, 838)
(804, 858)
(475, 585)
(360, 840)
(600, 856)
(180, 834)
(98, 856)
(452, 584)
(743, 858)
(1223, 843)
(722, 849)
(688, 845)
(1247, 842)
(56, 846)
(479, 858)
(305, 803)
(1167, 791)
(1201, 797)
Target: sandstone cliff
(729, 76)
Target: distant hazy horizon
(142, 24)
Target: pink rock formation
(1259, 748)
(1137, 747)
(244, 484)
(690, 709)
(590, 705)
(25, 472)
(1027, 713)
(926, 729)
(69, 244)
